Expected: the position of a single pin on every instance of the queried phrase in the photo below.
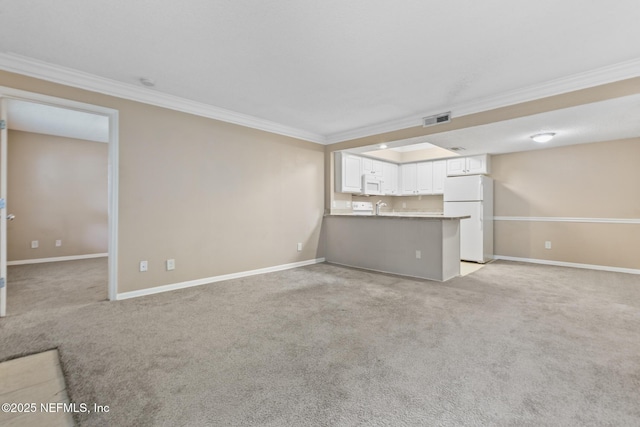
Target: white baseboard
(569, 264)
(56, 259)
(199, 282)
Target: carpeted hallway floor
(511, 344)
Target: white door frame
(3, 211)
(10, 93)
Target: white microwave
(371, 185)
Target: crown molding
(597, 77)
(57, 74)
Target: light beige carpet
(510, 344)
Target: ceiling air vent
(436, 119)
(457, 148)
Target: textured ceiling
(326, 67)
(595, 122)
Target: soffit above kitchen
(609, 120)
(325, 71)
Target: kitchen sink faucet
(379, 204)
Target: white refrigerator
(472, 195)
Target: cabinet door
(390, 179)
(351, 174)
(425, 178)
(456, 166)
(371, 167)
(439, 175)
(367, 165)
(408, 179)
(376, 168)
(477, 165)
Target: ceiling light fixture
(147, 82)
(543, 137)
(382, 146)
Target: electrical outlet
(58, 243)
(547, 244)
(418, 254)
(171, 264)
(144, 266)
(34, 244)
(404, 205)
(299, 247)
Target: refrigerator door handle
(480, 188)
(480, 217)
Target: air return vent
(436, 119)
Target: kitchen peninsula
(424, 246)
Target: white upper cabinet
(348, 174)
(422, 178)
(472, 165)
(439, 174)
(389, 179)
(425, 177)
(372, 167)
(350, 168)
(408, 179)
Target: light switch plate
(171, 264)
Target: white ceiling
(50, 120)
(610, 120)
(330, 68)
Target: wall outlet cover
(144, 266)
(34, 244)
(171, 264)
(58, 243)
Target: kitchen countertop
(403, 215)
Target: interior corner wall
(584, 199)
(218, 198)
(57, 190)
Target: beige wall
(599, 180)
(432, 204)
(57, 189)
(217, 197)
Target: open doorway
(61, 195)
